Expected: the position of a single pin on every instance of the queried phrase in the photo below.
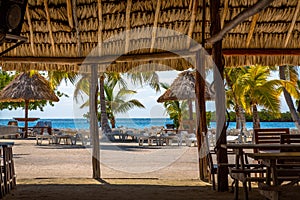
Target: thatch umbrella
(27, 87)
(183, 88)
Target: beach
(127, 170)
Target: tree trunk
(289, 100)
(256, 122)
(242, 118)
(113, 122)
(237, 117)
(104, 119)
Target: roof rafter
(193, 21)
(49, 25)
(154, 31)
(69, 13)
(100, 27)
(30, 30)
(256, 8)
(292, 24)
(251, 29)
(225, 10)
(128, 20)
(74, 9)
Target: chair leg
(213, 181)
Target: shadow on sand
(105, 190)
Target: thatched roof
(183, 88)
(27, 87)
(61, 33)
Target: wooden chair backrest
(269, 136)
(290, 139)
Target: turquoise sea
(139, 123)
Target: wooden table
(238, 148)
(26, 120)
(271, 161)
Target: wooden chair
(268, 136)
(290, 139)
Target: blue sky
(68, 108)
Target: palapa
(183, 88)
(27, 87)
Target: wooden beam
(30, 31)
(69, 13)
(100, 27)
(146, 57)
(49, 25)
(256, 8)
(154, 30)
(261, 52)
(251, 29)
(76, 24)
(292, 24)
(258, 52)
(127, 21)
(192, 22)
(225, 10)
(96, 59)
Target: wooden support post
(201, 112)
(94, 131)
(220, 97)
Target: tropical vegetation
(253, 88)
(114, 94)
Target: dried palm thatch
(27, 87)
(183, 88)
(62, 33)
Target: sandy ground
(128, 171)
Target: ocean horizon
(139, 123)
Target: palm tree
(254, 89)
(116, 100)
(290, 73)
(231, 75)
